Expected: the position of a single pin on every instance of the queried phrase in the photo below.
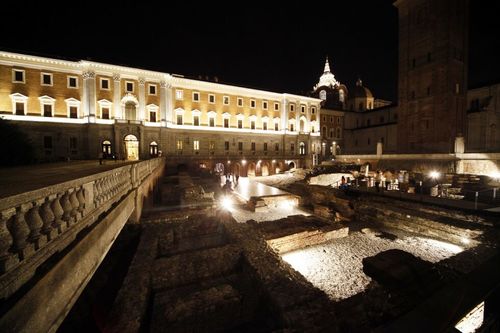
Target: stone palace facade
(84, 109)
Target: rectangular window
(179, 94)
(73, 112)
(264, 126)
(331, 119)
(303, 108)
(292, 107)
(179, 119)
(105, 113)
(211, 145)
(19, 109)
(18, 76)
(313, 110)
(252, 124)
(292, 147)
(179, 144)
(265, 146)
(457, 88)
(196, 96)
(226, 122)
(196, 145)
(225, 100)
(47, 142)
(252, 104)
(226, 145)
(152, 89)
(152, 116)
(264, 105)
(240, 101)
(253, 146)
(129, 86)
(240, 123)
(276, 106)
(196, 120)
(211, 121)
(105, 85)
(276, 126)
(72, 82)
(276, 146)
(240, 146)
(211, 99)
(46, 79)
(47, 110)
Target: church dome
(361, 92)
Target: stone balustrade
(36, 225)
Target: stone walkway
(28, 178)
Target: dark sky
(273, 46)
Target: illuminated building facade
(85, 109)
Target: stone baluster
(58, 213)
(20, 231)
(67, 208)
(48, 217)
(80, 195)
(75, 204)
(35, 223)
(7, 259)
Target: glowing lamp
(226, 203)
(434, 174)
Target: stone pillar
(164, 87)
(380, 146)
(459, 145)
(142, 99)
(89, 95)
(117, 108)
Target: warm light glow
(455, 249)
(472, 321)
(259, 161)
(228, 162)
(286, 204)
(273, 161)
(227, 203)
(495, 175)
(434, 174)
(465, 240)
(243, 162)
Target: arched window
(323, 132)
(322, 95)
(302, 148)
(341, 95)
(153, 149)
(106, 148)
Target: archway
(236, 169)
(106, 148)
(302, 125)
(131, 147)
(291, 165)
(129, 105)
(264, 169)
(251, 169)
(153, 149)
(280, 167)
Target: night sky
(265, 45)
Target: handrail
(36, 224)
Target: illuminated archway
(251, 169)
(131, 147)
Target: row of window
(196, 97)
(48, 145)
(332, 132)
(331, 119)
(381, 120)
(368, 141)
(47, 79)
(253, 146)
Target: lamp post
(435, 175)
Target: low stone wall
(303, 239)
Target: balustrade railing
(36, 224)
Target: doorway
(131, 147)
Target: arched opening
(291, 165)
(153, 149)
(302, 125)
(130, 111)
(106, 148)
(236, 169)
(264, 168)
(280, 167)
(131, 147)
(219, 168)
(251, 170)
(302, 148)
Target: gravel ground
(336, 267)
